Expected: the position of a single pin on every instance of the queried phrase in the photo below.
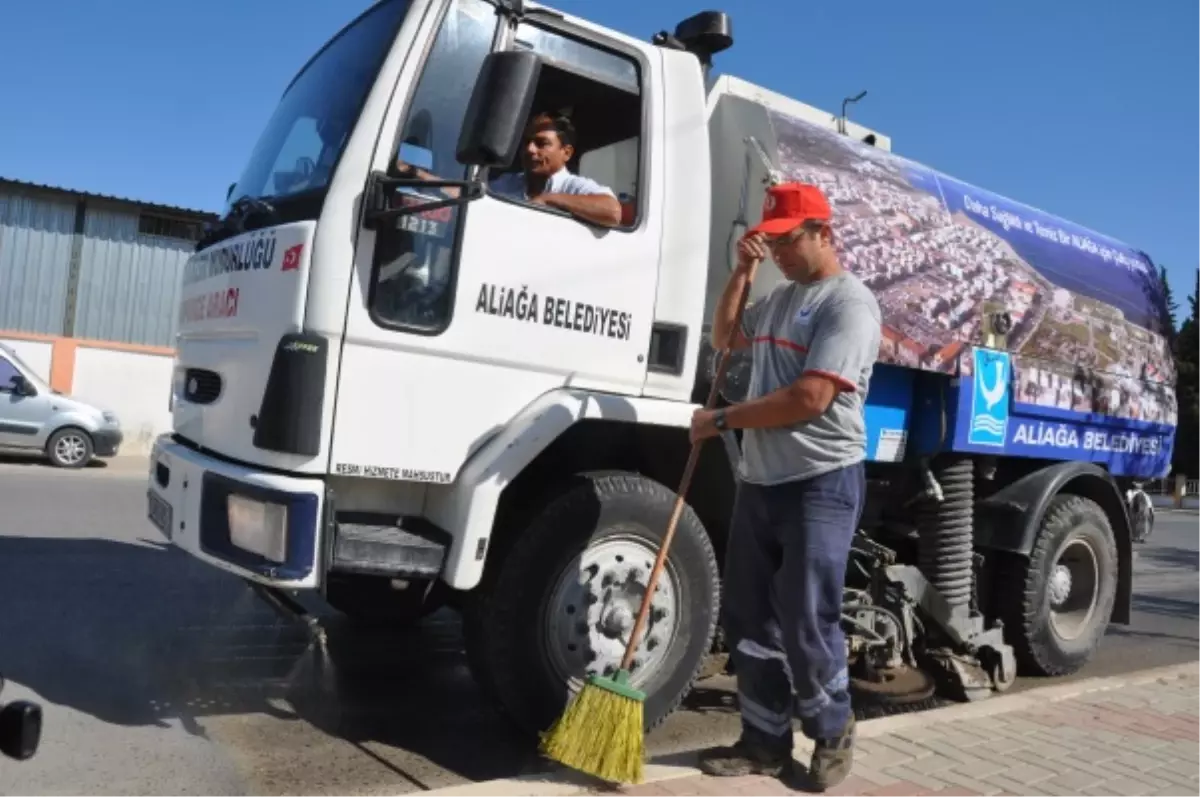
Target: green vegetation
(1186, 348)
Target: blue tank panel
(888, 410)
(987, 412)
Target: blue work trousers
(785, 569)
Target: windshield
(304, 137)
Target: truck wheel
(372, 600)
(69, 448)
(569, 590)
(1066, 588)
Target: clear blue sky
(1083, 108)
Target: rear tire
(1057, 602)
(69, 447)
(574, 574)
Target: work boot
(745, 758)
(832, 759)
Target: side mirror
(22, 386)
(499, 109)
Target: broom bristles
(600, 733)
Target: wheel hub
(69, 449)
(1060, 586)
(1073, 588)
(593, 607)
(618, 621)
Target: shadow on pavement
(1169, 607)
(136, 634)
(140, 634)
(1162, 556)
(37, 460)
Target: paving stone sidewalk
(1139, 739)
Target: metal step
(387, 550)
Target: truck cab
(371, 369)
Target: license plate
(159, 512)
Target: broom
(601, 731)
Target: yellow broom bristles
(599, 734)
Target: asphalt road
(159, 675)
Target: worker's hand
(752, 250)
(703, 425)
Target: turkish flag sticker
(291, 258)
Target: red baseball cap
(788, 205)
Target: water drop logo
(989, 404)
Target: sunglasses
(775, 241)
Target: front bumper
(187, 493)
(106, 442)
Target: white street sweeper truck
(402, 389)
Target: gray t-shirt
(831, 327)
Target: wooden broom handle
(688, 471)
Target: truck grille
(201, 386)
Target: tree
(1169, 303)
(1186, 458)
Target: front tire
(1060, 598)
(564, 598)
(69, 448)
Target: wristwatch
(719, 420)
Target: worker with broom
(801, 488)
(815, 339)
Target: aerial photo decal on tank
(1087, 311)
(1064, 387)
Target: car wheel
(69, 448)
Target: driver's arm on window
(602, 209)
(585, 198)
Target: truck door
(464, 314)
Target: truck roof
(731, 86)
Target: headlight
(258, 527)
(110, 418)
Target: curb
(563, 782)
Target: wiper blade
(244, 205)
(246, 213)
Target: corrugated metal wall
(128, 283)
(35, 256)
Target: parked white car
(33, 417)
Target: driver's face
(544, 154)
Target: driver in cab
(544, 178)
